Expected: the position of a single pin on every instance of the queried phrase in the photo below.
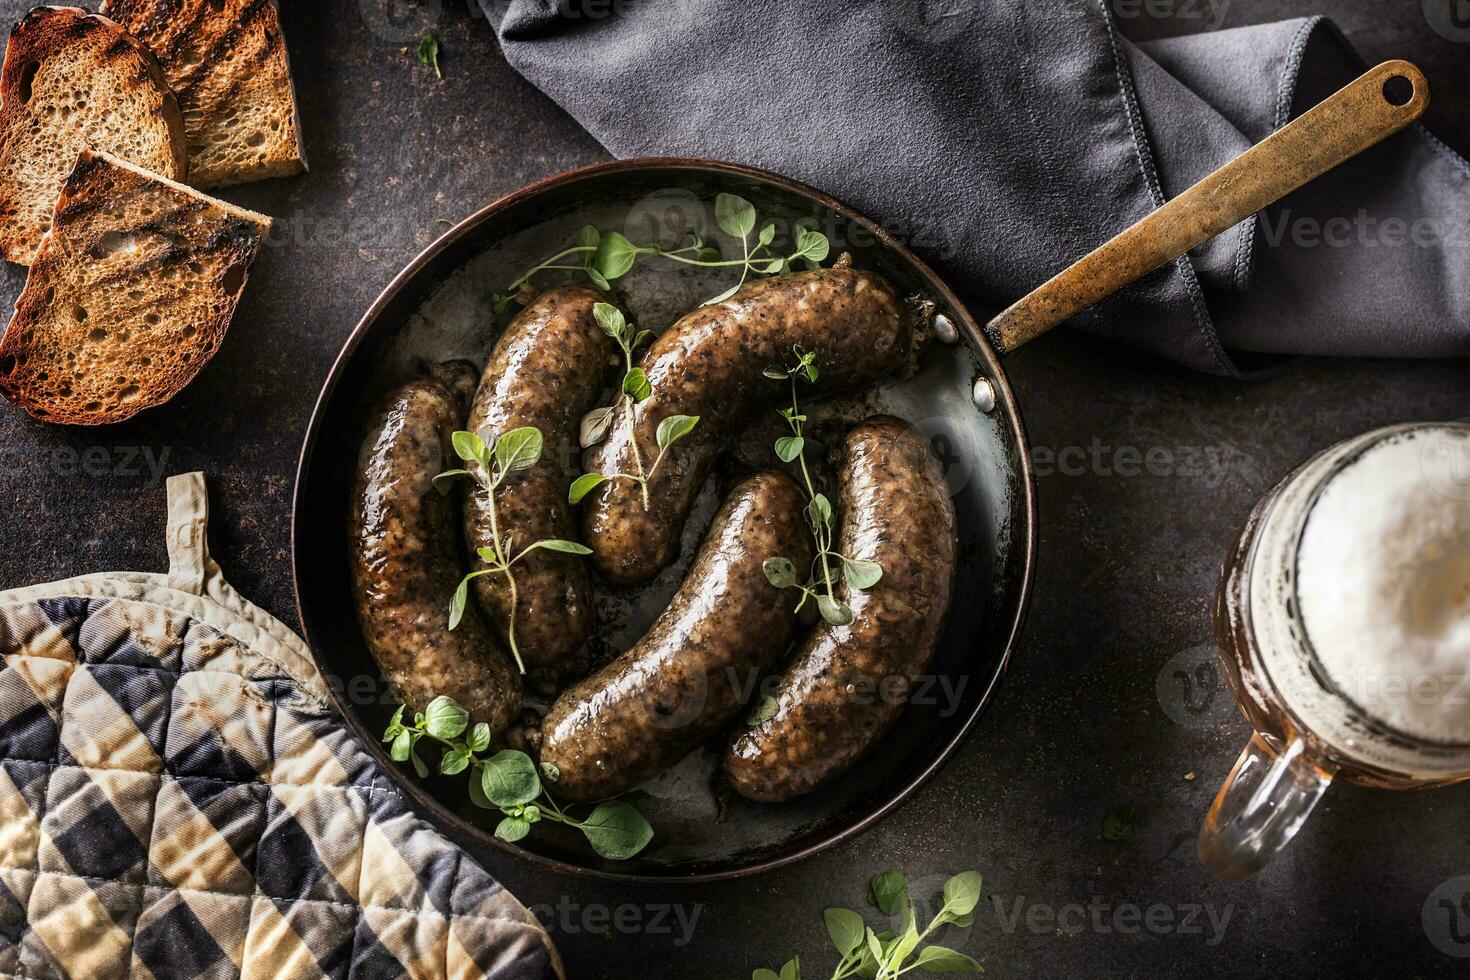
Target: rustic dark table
(1080, 793)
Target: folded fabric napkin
(178, 801)
(1005, 138)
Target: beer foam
(1383, 582)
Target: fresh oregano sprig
(635, 388)
(605, 257)
(489, 463)
(507, 780)
(821, 582)
(884, 955)
(429, 54)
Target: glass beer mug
(1343, 618)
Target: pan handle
(1378, 104)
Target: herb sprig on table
(488, 464)
(507, 780)
(635, 388)
(884, 955)
(605, 257)
(820, 583)
(429, 53)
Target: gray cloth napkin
(1005, 138)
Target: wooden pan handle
(1344, 125)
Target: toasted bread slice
(72, 80)
(227, 62)
(129, 296)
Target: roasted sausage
(710, 365)
(546, 371)
(406, 558)
(706, 653)
(846, 686)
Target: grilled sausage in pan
(846, 686)
(709, 365)
(546, 371)
(687, 678)
(406, 558)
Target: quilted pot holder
(178, 800)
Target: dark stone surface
(1078, 732)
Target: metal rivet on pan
(944, 329)
(983, 395)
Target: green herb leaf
(616, 831)
(615, 255)
(889, 890)
(767, 235)
(444, 482)
(509, 779)
(764, 974)
(564, 547)
(902, 947)
(455, 761)
(875, 946)
(583, 485)
(860, 573)
(598, 279)
(636, 386)
(644, 336)
(468, 446)
(819, 511)
(459, 601)
(780, 572)
(512, 829)
(479, 739)
(444, 719)
(595, 425)
(610, 319)
(518, 449)
(763, 712)
(477, 788)
(834, 611)
(735, 215)
(395, 724)
(429, 53)
(792, 969)
(789, 447)
(938, 959)
(674, 428)
(770, 268)
(962, 893)
(811, 245)
(713, 300)
(777, 374)
(402, 746)
(846, 929)
(419, 766)
(588, 236)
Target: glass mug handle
(1263, 803)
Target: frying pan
(438, 309)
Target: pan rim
(1024, 537)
